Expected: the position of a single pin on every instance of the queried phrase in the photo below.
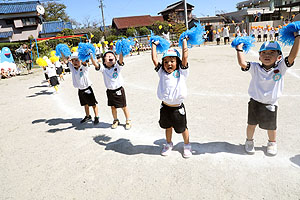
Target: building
(20, 20)
(121, 24)
(175, 12)
(51, 29)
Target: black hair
(178, 62)
(105, 55)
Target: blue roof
(54, 27)
(6, 34)
(18, 7)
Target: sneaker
(167, 149)
(86, 119)
(96, 120)
(272, 148)
(115, 124)
(128, 125)
(187, 151)
(249, 147)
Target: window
(9, 21)
(29, 21)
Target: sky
(83, 9)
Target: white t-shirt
(50, 71)
(80, 77)
(225, 32)
(266, 86)
(112, 76)
(172, 87)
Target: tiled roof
(18, 7)
(136, 21)
(54, 27)
(249, 3)
(174, 5)
(6, 34)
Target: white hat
(74, 55)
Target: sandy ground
(45, 153)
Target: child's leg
(87, 110)
(126, 113)
(272, 135)
(250, 131)
(169, 135)
(114, 112)
(186, 137)
(95, 108)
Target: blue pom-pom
(287, 33)
(194, 36)
(124, 46)
(84, 51)
(163, 43)
(246, 40)
(62, 50)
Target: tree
(131, 32)
(55, 12)
(144, 31)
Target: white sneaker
(187, 150)
(272, 148)
(249, 147)
(167, 149)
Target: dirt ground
(45, 153)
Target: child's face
(76, 62)
(170, 63)
(269, 57)
(109, 59)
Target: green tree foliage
(55, 12)
(111, 38)
(131, 32)
(143, 31)
(155, 27)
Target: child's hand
(240, 46)
(297, 33)
(155, 42)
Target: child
(265, 34)
(113, 80)
(85, 92)
(226, 34)
(51, 72)
(276, 33)
(172, 91)
(265, 89)
(259, 35)
(218, 37)
(271, 34)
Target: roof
(136, 21)
(174, 5)
(249, 3)
(18, 7)
(54, 27)
(6, 34)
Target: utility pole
(101, 7)
(185, 14)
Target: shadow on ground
(296, 160)
(73, 123)
(124, 146)
(42, 92)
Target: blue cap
(270, 45)
(171, 52)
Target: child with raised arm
(85, 92)
(113, 81)
(172, 91)
(265, 88)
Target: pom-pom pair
(124, 46)
(246, 40)
(194, 36)
(287, 33)
(163, 44)
(62, 50)
(85, 50)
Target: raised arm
(241, 56)
(95, 63)
(295, 49)
(184, 53)
(154, 53)
(121, 58)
